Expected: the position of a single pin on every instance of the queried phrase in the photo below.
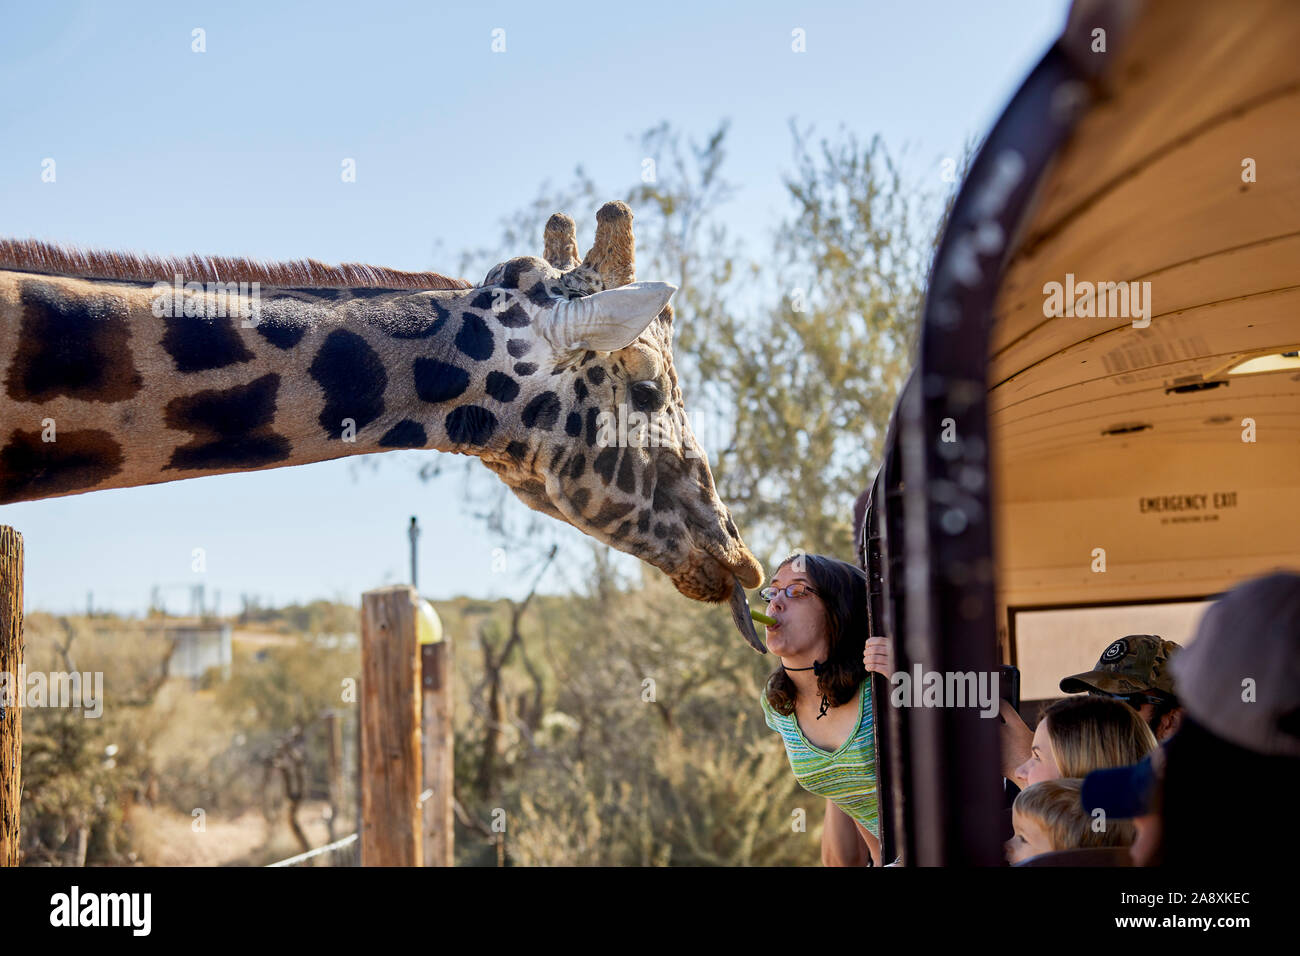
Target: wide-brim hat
(1240, 677)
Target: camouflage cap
(1130, 665)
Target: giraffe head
(601, 438)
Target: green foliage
(798, 358)
(80, 770)
(174, 743)
(274, 690)
(320, 618)
(651, 749)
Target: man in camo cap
(1135, 669)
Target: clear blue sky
(238, 150)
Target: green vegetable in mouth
(761, 618)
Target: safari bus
(1102, 429)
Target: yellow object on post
(428, 626)
(437, 740)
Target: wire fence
(345, 852)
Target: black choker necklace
(817, 668)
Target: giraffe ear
(605, 321)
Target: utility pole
(413, 532)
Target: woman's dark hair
(1226, 806)
(842, 589)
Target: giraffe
(120, 370)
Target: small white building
(199, 647)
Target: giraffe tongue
(740, 614)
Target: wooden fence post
(437, 742)
(390, 729)
(333, 770)
(11, 712)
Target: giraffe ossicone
(104, 388)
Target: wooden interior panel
(1150, 189)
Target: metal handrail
(310, 854)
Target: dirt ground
(163, 837)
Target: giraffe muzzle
(714, 575)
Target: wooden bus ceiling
(1150, 189)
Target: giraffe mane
(33, 255)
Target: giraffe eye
(646, 396)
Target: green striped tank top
(846, 777)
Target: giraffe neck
(111, 384)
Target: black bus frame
(927, 533)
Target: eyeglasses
(1135, 700)
(793, 591)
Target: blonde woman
(1078, 735)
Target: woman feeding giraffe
(819, 698)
